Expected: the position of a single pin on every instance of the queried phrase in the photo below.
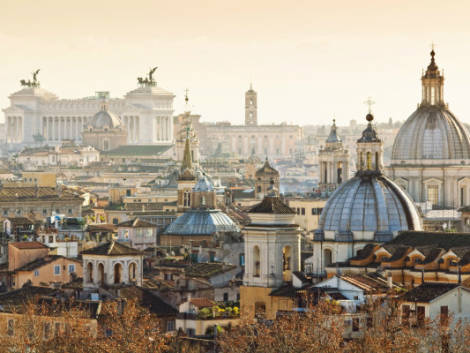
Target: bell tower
(334, 163)
(272, 252)
(251, 107)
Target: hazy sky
(308, 60)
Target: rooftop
(112, 249)
(427, 292)
(272, 205)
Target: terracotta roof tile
(28, 245)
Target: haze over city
(309, 61)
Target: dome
(369, 203)
(104, 118)
(202, 222)
(431, 132)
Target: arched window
(361, 160)
(286, 258)
(89, 268)
(101, 274)
(132, 271)
(339, 173)
(187, 199)
(256, 261)
(117, 273)
(327, 257)
(377, 160)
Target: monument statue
(34, 82)
(148, 81)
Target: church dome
(105, 118)
(202, 222)
(369, 203)
(431, 132)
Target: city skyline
(309, 62)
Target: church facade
(36, 115)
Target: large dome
(431, 132)
(369, 203)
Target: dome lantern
(370, 149)
(432, 84)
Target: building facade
(37, 115)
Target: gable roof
(202, 302)
(30, 266)
(427, 292)
(112, 249)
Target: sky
(309, 61)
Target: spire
(187, 159)
(333, 137)
(369, 134)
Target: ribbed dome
(104, 118)
(430, 133)
(202, 222)
(369, 203)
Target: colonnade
(163, 129)
(63, 128)
(14, 128)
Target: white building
(37, 115)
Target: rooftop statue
(148, 81)
(34, 82)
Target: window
(256, 261)
(242, 259)
(44, 212)
(18, 211)
(421, 315)
(51, 239)
(115, 221)
(70, 211)
(303, 211)
(370, 322)
(36, 273)
(463, 200)
(57, 270)
(71, 268)
(225, 297)
(5, 212)
(433, 194)
(444, 315)
(57, 211)
(170, 325)
(258, 189)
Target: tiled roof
(272, 205)
(101, 228)
(202, 302)
(428, 292)
(29, 245)
(266, 169)
(437, 239)
(149, 300)
(41, 262)
(8, 194)
(112, 249)
(207, 270)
